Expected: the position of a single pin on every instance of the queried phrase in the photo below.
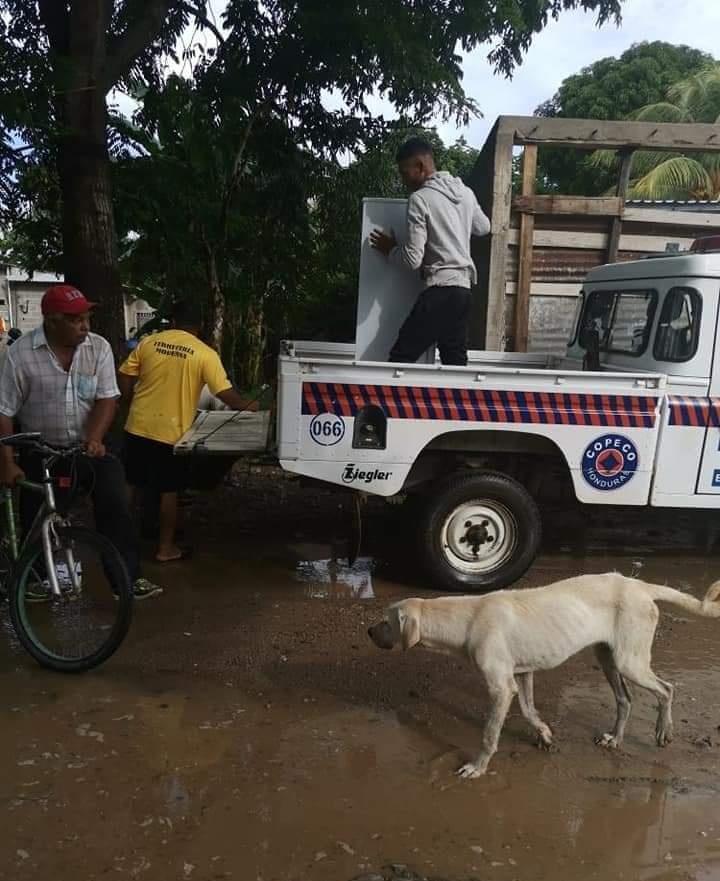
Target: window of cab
(678, 331)
(622, 320)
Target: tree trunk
(216, 321)
(251, 357)
(89, 234)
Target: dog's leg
(526, 698)
(642, 675)
(623, 698)
(633, 656)
(502, 691)
(664, 724)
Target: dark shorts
(151, 464)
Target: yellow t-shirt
(172, 367)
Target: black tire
(468, 513)
(104, 603)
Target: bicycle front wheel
(83, 626)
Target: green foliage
(613, 88)
(38, 66)
(230, 186)
(662, 175)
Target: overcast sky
(573, 42)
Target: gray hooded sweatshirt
(441, 217)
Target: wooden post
(525, 253)
(500, 219)
(622, 188)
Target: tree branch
(202, 19)
(235, 173)
(125, 49)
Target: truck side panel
(608, 440)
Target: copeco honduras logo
(351, 474)
(327, 429)
(609, 462)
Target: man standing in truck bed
(442, 215)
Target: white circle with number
(327, 429)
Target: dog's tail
(708, 607)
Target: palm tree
(664, 175)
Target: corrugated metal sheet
(560, 265)
(551, 321)
(701, 205)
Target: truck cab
(660, 316)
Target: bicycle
(68, 589)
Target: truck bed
(310, 349)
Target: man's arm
(480, 223)
(218, 384)
(128, 373)
(411, 254)
(235, 400)
(126, 384)
(10, 472)
(11, 399)
(98, 424)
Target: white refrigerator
(386, 291)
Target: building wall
(25, 304)
(20, 300)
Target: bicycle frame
(44, 522)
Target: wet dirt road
(248, 729)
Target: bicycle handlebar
(34, 441)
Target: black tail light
(370, 430)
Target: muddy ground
(249, 730)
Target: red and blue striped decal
(694, 412)
(481, 405)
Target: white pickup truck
(631, 416)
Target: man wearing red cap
(60, 380)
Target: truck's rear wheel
(480, 530)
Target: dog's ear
(409, 629)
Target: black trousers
(104, 479)
(439, 317)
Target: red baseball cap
(65, 300)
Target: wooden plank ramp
(222, 432)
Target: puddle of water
(175, 794)
(325, 579)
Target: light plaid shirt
(35, 389)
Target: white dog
(509, 634)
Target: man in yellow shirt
(163, 377)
